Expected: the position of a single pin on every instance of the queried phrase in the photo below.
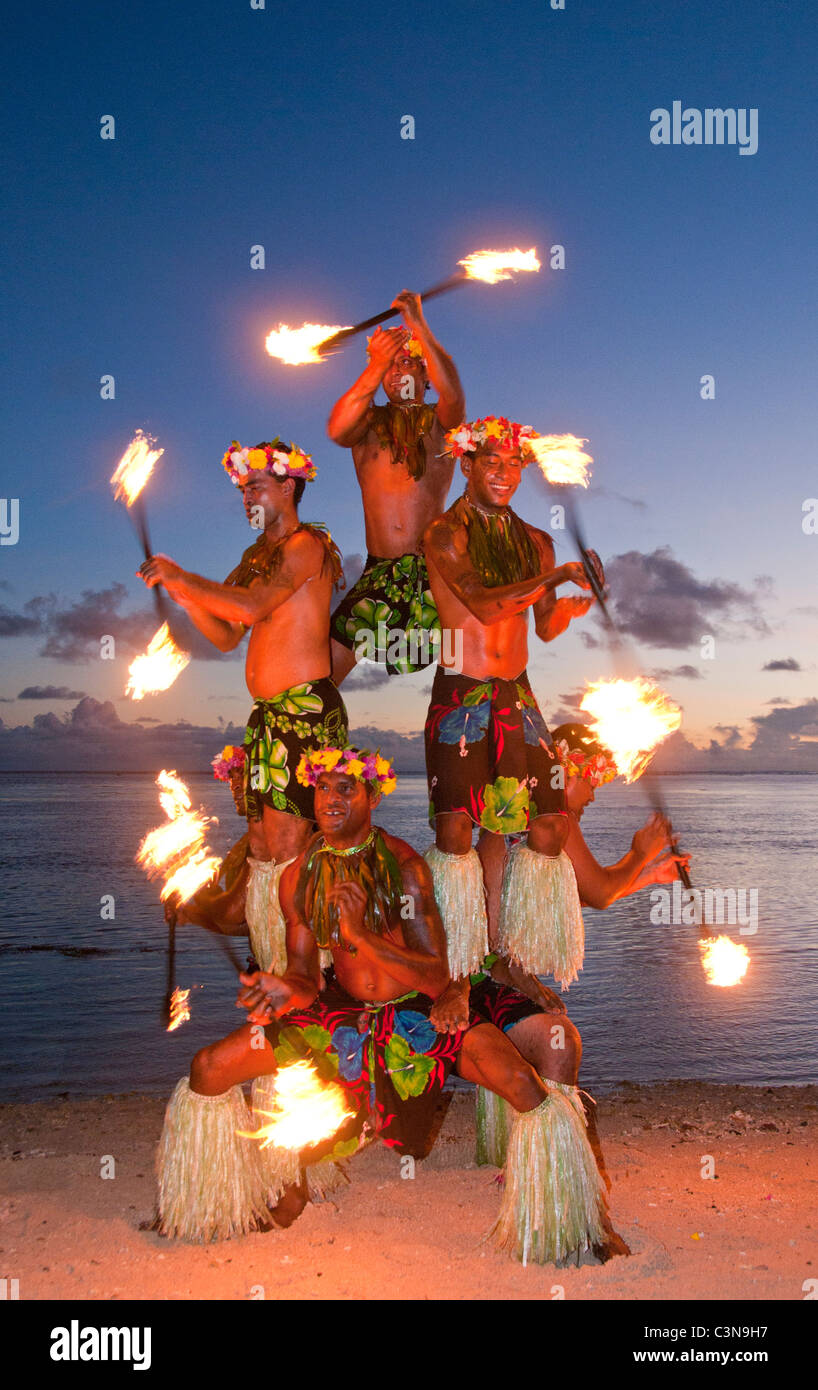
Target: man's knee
(526, 1088)
(548, 834)
(453, 833)
(206, 1073)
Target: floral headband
(363, 765)
(469, 437)
(413, 347)
(241, 462)
(596, 768)
(231, 759)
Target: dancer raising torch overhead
(404, 474)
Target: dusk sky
(281, 127)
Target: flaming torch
(157, 668)
(308, 343)
(307, 1110)
(177, 851)
(725, 961)
(565, 465)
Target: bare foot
(450, 1010)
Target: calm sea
(81, 996)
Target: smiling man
(366, 897)
(404, 474)
(280, 592)
(489, 756)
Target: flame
(179, 1009)
(631, 718)
(189, 877)
(177, 849)
(561, 458)
(492, 266)
(725, 961)
(297, 345)
(307, 1109)
(135, 467)
(157, 668)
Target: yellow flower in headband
(257, 458)
(354, 767)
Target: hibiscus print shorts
(489, 754)
(389, 1058)
(278, 732)
(392, 598)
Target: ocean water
(81, 996)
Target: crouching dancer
(367, 897)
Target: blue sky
(281, 126)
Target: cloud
(688, 673)
(659, 601)
(50, 692)
(366, 676)
(72, 631)
(787, 663)
(777, 700)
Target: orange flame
(179, 1009)
(306, 1109)
(631, 718)
(561, 458)
(135, 467)
(297, 345)
(177, 849)
(492, 266)
(158, 667)
(725, 961)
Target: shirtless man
(367, 897)
(489, 757)
(404, 474)
(281, 592)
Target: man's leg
(541, 927)
(492, 851)
(457, 875)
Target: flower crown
(241, 462)
(413, 347)
(361, 764)
(596, 768)
(469, 437)
(231, 759)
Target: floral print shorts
(390, 615)
(489, 754)
(278, 732)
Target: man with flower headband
(404, 475)
(489, 756)
(367, 897)
(281, 593)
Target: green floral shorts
(389, 616)
(278, 732)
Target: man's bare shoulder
(413, 866)
(442, 533)
(540, 538)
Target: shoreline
(750, 1231)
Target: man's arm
(302, 557)
(451, 404)
(420, 964)
(600, 885)
(348, 421)
(224, 635)
(445, 546)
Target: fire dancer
(404, 475)
(281, 592)
(530, 1014)
(489, 756)
(368, 898)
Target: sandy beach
(747, 1233)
